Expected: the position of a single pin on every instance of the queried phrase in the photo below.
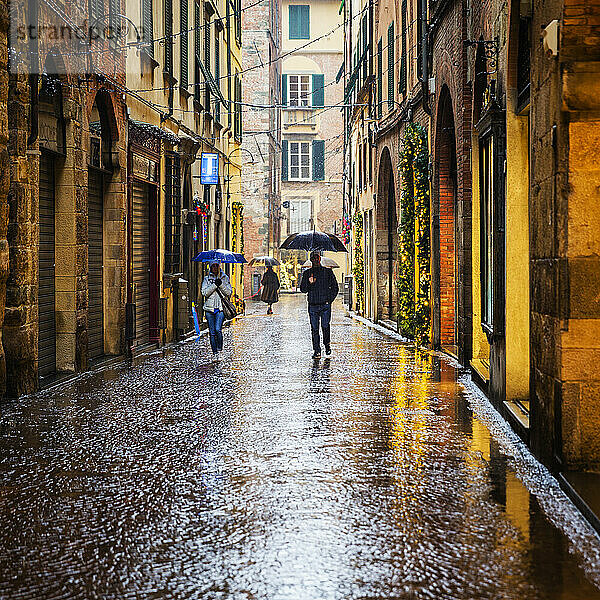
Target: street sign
(209, 168)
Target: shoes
(328, 351)
(316, 355)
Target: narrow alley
(265, 475)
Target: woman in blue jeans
(213, 308)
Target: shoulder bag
(229, 310)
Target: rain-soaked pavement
(267, 476)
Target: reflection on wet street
(265, 475)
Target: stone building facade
(66, 276)
(261, 185)
(105, 208)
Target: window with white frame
(300, 214)
(300, 160)
(299, 90)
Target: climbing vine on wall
(358, 269)
(414, 236)
(237, 210)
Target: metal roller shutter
(141, 260)
(46, 293)
(95, 264)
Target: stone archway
(386, 238)
(445, 267)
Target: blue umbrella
(224, 256)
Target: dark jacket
(324, 290)
(270, 283)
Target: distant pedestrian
(322, 288)
(213, 307)
(270, 292)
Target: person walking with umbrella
(213, 307)
(270, 283)
(322, 288)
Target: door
(141, 261)
(95, 264)
(46, 290)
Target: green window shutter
(299, 16)
(305, 21)
(284, 160)
(391, 66)
(147, 24)
(184, 44)
(168, 42)
(284, 90)
(318, 160)
(379, 77)
(403, 58)
(318, 90)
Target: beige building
(312, 127)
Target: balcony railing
(300, 117)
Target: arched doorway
(445, 325)
(387, 238)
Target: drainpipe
(425, 57)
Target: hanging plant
(413, 278)
(358, 268)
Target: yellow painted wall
(324, 18)
(517, 255)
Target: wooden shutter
(168, 66)
(365, 44)
(294, 22)
(148, 26)
(379, 77)
(299, 16)
(391, 66)
(218, 77)
(305, 21)
(207, 63)
(403, 58)
(113, 11)
(184, 44)
(318, 90)
(284, 90)
(318, 160)
(284, 160)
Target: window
(299, 90)
(237, 120)
(390, 45)
(299, 21)
(300, 160)
(486, 182)
(183, 44)
(300, 214)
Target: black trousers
(320, 313)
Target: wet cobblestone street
(267, 476)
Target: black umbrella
(314, 240)
(267, 261)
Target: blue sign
(209, 168)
